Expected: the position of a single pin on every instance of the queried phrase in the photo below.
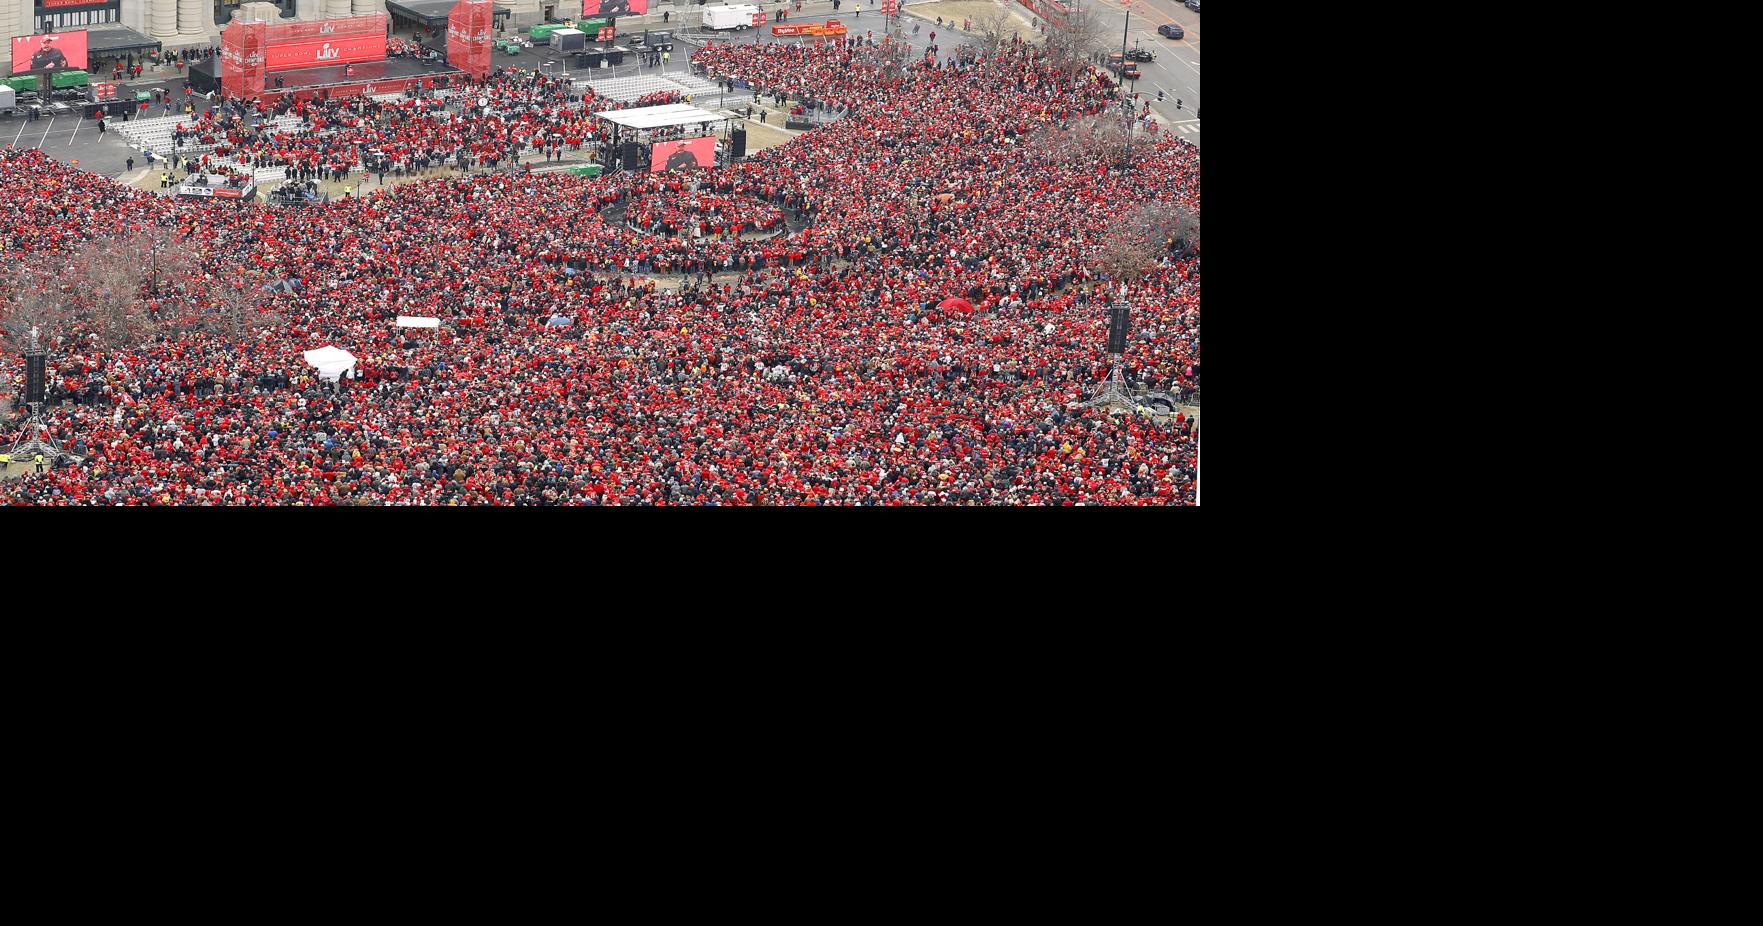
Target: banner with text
(320, 52)
(241, 60)
(293, 31)
(468, 37)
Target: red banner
(831, 27)
(49, 54)
(683, 155)
(320, 52)
(346, 27)
(241, 60)
(468, 37)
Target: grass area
(959, 10)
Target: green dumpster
(542, 31)
(142, 96)
(591, 170)
(72, 79)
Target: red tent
(956, 304)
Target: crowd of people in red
(510, 113)
(816, 367)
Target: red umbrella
(955, 303)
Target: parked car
(1171, 31)
(1193, 5)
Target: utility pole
(1126, 5)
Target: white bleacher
(626, 89)
(157, 133)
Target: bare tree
(33, 299)
(1136, 241)
(994, 30)
(1072, 42)
(123, 290)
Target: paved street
(1177, 69)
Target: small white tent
(332, 362)
(418, 321)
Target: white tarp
(332, 362)
(418, 321)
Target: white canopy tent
(332, 362)
(418, 321)
(655, 117)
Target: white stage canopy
(332, 362)
(418, 321)
(656, 117)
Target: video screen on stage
(684, 155)
(49, 53)
(614, 7)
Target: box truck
(729, 17)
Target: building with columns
(198, 23)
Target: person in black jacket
(47, 57)
(682, 159)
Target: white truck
(729, 17)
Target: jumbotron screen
(614, 7)
(50, 53)
(683, 155)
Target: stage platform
(368, 78)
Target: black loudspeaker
(630, 155)
(737, 144)
(35, 377)
(1119, 318)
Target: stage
(366, 78)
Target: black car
(1142, 54)
(1171, 31)
(1193, 5)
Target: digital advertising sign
(50, 53)
(684, 155)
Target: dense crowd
(510, 113)
(816, 367)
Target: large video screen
(614, 7)
(684, 155)
(50, 53)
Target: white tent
(418, 321)
(332, 362)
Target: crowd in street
(812, 365)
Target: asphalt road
(69, 138)
(1177, 69)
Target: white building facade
(185, 23)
